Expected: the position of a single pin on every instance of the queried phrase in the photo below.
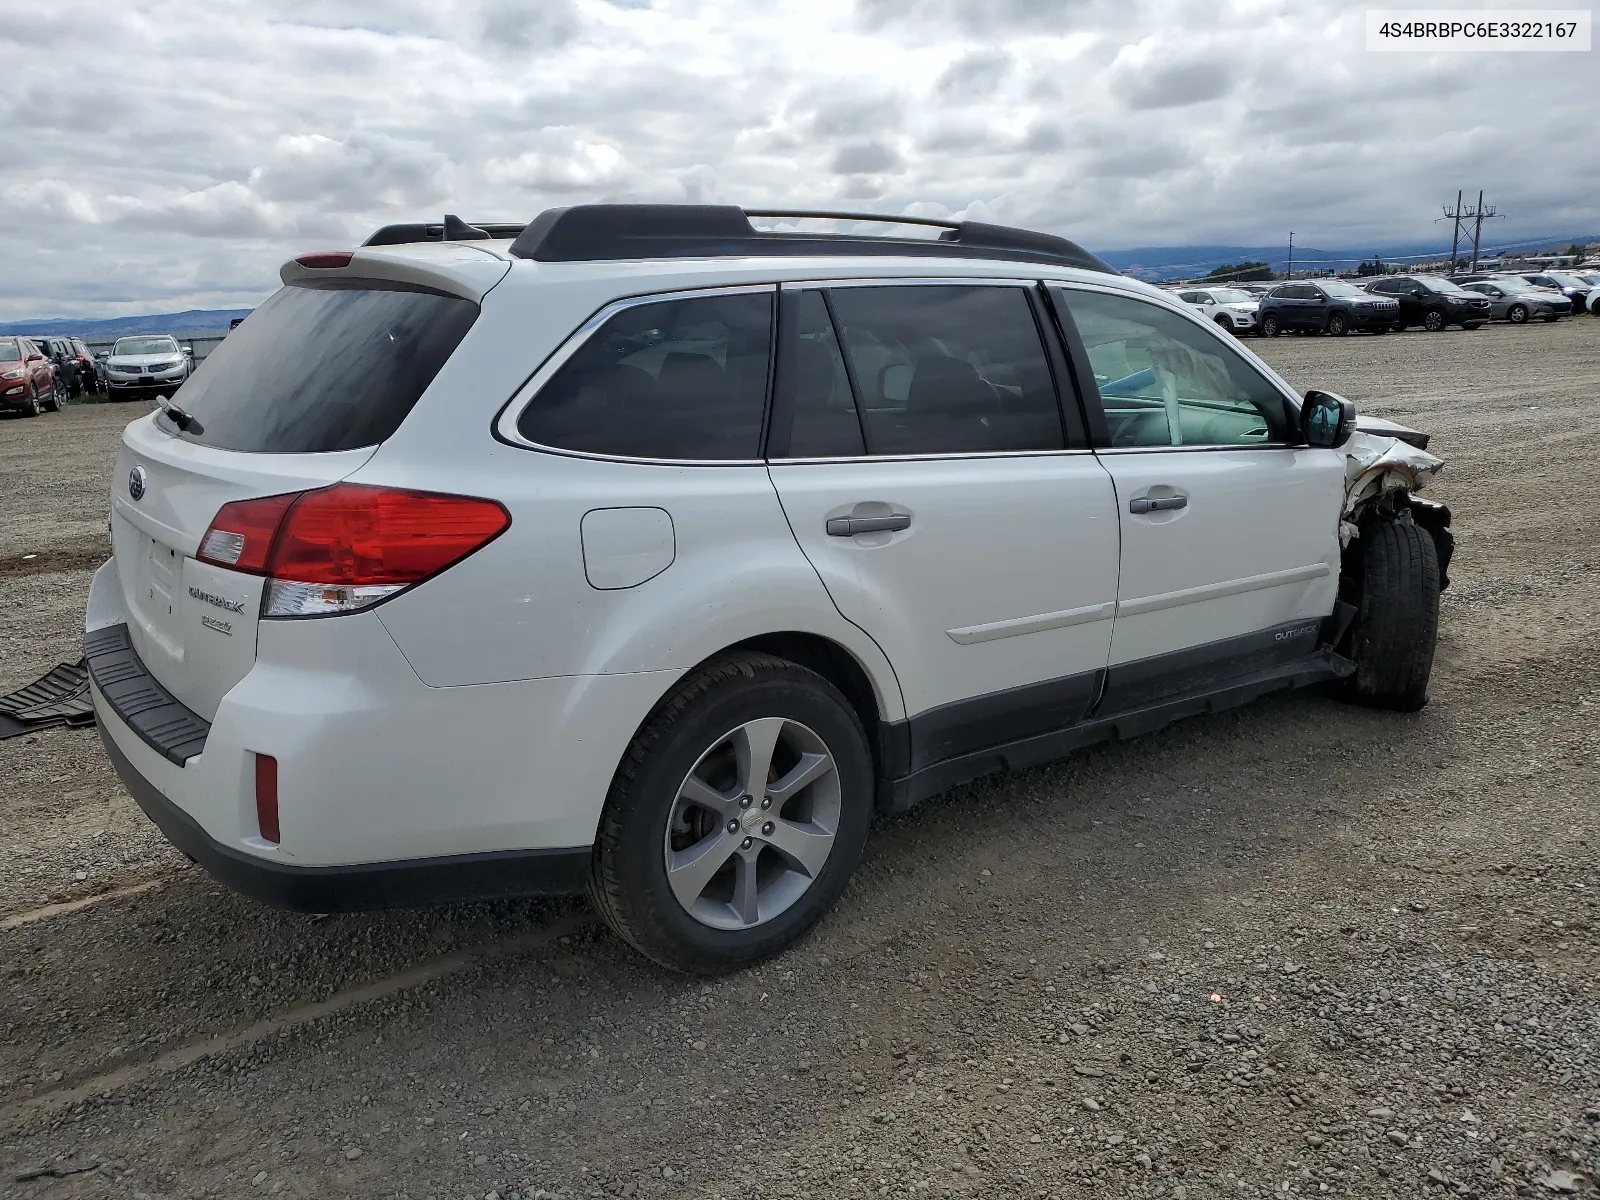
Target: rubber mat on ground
(60, 697)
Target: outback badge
(136, 483)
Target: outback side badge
(136, 483)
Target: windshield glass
(1566, 280)
(1520, 286)
(1443, 286)
(1230, 296)
(1342, 291)
(9, 350)
(145, 345)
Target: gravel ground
(1296, 948)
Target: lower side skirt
(897, 795)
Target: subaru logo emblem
(136, 483)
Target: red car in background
(28, 380)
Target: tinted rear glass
(679, 379)
(317, 369)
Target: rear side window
(318, 369)
(948, 369)
(676, 379)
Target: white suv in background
(1232, 308)
(643, 551)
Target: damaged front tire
(1397, 620)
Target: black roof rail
(595, 232)
(611, 232)
(421, 231)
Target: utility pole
(1477, 215)
(1289, 273)
(1455, 216)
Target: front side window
(948, 369)
(675, 379)
(1165, 381)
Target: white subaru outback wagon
(645, 551)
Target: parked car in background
(1232, 308)
(1512, 298)
(146, 365)
(77, 375)
(1329, 306)
(28, 380)
(1569, 285)
(1432, 302)
(1256, 288)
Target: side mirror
(1326, 420)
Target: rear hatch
(297, 397)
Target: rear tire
(1269, 326)
(1397, 622)
(652, 807)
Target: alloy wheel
(752, 824)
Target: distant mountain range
(197, 322)
(1188, 262)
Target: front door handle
(1149, 504)
(850, 526)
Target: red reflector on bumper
(267, 797)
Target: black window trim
(1089, 390)
(1075, 437)
(505, 424)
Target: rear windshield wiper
(184, 421)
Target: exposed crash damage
(1394, 564)
(1386, 465)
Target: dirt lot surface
(1296, 948)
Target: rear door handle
(850, 526)
(1148, 504)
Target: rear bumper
(456, 877)
(390, 792)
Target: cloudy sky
(167, 154)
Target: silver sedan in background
(1516, 300)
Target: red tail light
(241, 533)
(267, 797)
(348, 546)
(326, 259)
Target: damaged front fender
(1383, 473)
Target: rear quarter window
(323, 368)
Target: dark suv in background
(74, 364)
(1431, 302)
(1329, 306)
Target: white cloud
(215, 138)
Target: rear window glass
(678, 379)
(318, 369)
